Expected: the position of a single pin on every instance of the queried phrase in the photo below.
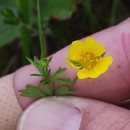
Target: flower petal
(93, 46)
(103, 64)
(85, 73)
(75, 50)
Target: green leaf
(36, 75)
(42, 81)
(49, 59)
(59, 71)
(37, 65)
(32, 91)
(47, 89)
(60, 9)
(5, 3)
(63, 80)
(76, 63)
(9, 16)
(63, 91)
(30, 60)
(36, 59)
(71, 87)
(8, 33)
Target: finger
(113, 86)
(72, 113)
(9, 106)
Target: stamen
(88, 60)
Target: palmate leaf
(49, 59)
(63, 80)
(47, 89)
(63, 91)
(32, 91)
(35, 62)
(30, 60)
(59, 71)
(71, 87)
(36, 75)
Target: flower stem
(42, 45)
(73, 84)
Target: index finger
(113, 86)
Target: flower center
(88, 60)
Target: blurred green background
(63, 21)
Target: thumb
(71, 113)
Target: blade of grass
(26, 45)
(91, 17)
(42, 44)
(118, 12)
(114, 11)
(25, 40)
(123, 9)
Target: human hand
(88, 112)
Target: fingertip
(22, 77)
(50, 114)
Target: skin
(92, 104)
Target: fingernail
(50, 114)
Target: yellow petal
(84, 73)
(75, 50)
(95, 47)
(103, 64)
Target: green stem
(23, 10)
(73, 84)
(42, 44)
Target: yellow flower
(88, 58)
